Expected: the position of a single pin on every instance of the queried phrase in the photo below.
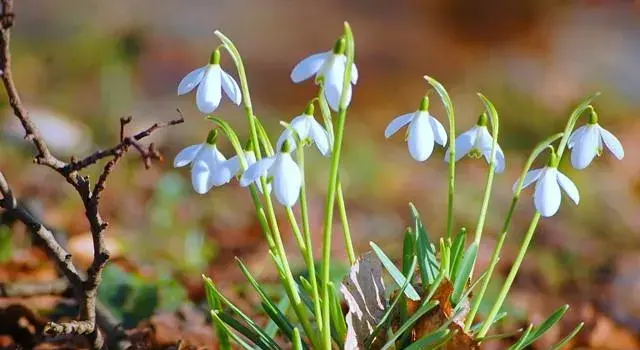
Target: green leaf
(462, 276)
(427, 260)
(272, 328)
(545, 326)
(397, 276)
(213, 300)
(479, 325)
(408, 250)
(457, 250)
(235, 337)
(338, 324)
(257, 339)
(566, 339)
(424, 308)
(522, 340)
(297, 342)
(428, 341)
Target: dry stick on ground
(85, 288)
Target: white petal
(186, 156)
(500, 160)
(220, 174)
(464, 143)
(302, 125)
(209, 91)
(320, 137)
(420, 138)
(484, 140)
(200, 177)
(547, 195)
(397, 123)
(308, 67)
(613, 144)
(354, 74)
(256, 170)
(231, 88)
(233, 164)
(333, 94)
(575, 136)
(585, 148)
(531, 177)
(287, 180)
(333, 78)
(569, 187)
(286, 135)
(485, 145)
(439, 133)
(191, 80)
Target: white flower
(210, 80)
(308, 129)
(330, 66)
(208, 166)
(547, 194)
(422, 132)
(235, 168)
(477, 142)
(287, 177)
(587, 141)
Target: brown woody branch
(85, 288)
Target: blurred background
(81, 65)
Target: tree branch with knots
(84, 284)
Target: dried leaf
(364, 292)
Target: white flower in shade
(476, 142)
(422, 132)
(549, 180)
(308, 129)
(211, 80)
(329, 66)
(208, 166)
(587, 142)
(286, 175)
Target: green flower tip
(310, 109)
(340, 46)
(553, 157)
(212, 137)
(424, 104)
(286, 146)
(593, 116)
(483, 120)
(249, 145)
(215, 57)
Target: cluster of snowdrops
(309, 314)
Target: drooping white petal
(354, 74)
(220, 174)
(500, 160)
(420, 138)
(209, 91)
(585, 148)
(233, 164)
(485, 142)
(200, 177)
(333, 77)
(333, 94)
(612, 142)
(547, 194)
(186, 156)
(464, 143)
(308, 67)
(287, 180)
(397, 123)
(575, 136)
(191, 80)
(231, 88)
(320, 137)
(531, 177)
(256, 170)
(439, 133)
(569, 187)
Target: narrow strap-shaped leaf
(408, 250)
(463, 273)
(409, 323)
(211, 289)
(235, 337)
(522, 340)
(397, 276)
(479, 325)
(394, 303)
(296, 342)
(272, 328)
(457, 250)
(428, 341)
(500, 336)
(338, 324)
(568, 338)
(213, 300)
(427, 260)
(252, 335)
(545, 325)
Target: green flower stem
(512, 275)
(326, 117)
(296, 232)
(331, 194)
(306, 229)
(505, 229)
(342, 210)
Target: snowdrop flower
(286, 175)
(329, 66)
(308, 129)
(210, 80)
(208, 165)
(422, 132)
(235, 168)
(549, 180)
(586, 142)
(476, 142)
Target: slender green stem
(306, 229)
(296, 232)
(331, 194)
(512, 275)
(342, 210)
